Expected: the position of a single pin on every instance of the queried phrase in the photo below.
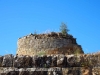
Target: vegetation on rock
(64, 29)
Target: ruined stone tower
(52, 43)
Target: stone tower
(52, 43)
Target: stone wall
(54, 43)
(87, 64)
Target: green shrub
(40, 53)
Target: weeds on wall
(77, 52)
(40, 53)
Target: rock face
(43, 44)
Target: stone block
(8, 60)
(27, 62)
(54, 61)
(64, 71)
(87, 71)
(2, 73)
(24, 73)
(77, 61)
(74, 71)
(23, 62)
(1, 60)
(12, 73)
(35, 62)
(70, 61)
(40, 62)
(48, 61)
(38, 73)
(61, 61)
(19, 62)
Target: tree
(63, 28)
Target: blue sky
(21, 17)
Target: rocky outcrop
(44, 44)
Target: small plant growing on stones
(45, 66)
(77, 52)
(41, 53)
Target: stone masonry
(84, 64)
(49, 54)
(52, 43)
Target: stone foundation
(85, 64)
